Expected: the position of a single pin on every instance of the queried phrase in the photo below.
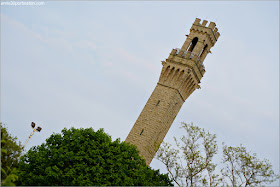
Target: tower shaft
(180, 76)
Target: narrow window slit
(193, 44)
(158, 103)
(142, 132)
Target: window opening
(142, 132)
(194, 42)
(203, 51)
(158, 103)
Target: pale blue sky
(95, 64)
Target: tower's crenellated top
(211, 29)
(191, 55)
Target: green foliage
(10, 153)
(10, 178)
(190, 164)
(243, 168)
(85, 157)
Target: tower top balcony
(187, 59)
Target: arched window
(203, 51)
(194, 41)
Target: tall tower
(180, 76)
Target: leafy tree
(10, 154)
(190, 163)
(85, 157)
(243, 168)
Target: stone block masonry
(180, 76)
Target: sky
(95, 64)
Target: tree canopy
(190, 163)
(10, 154)
(245, 169)
(85, 157)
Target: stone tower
(180, 76)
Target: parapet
(197, 20)
(211, 26)
(204, 23)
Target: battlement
(189, 59)
(186, 55)
(211, 26)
